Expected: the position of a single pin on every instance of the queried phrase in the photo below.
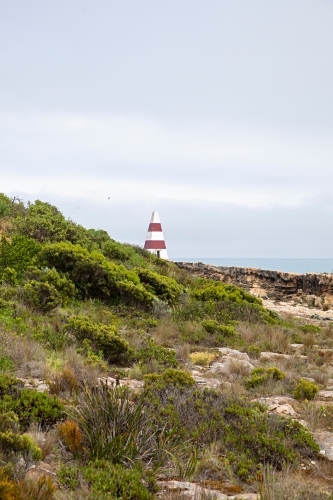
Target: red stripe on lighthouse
(154, 245)
(155, 226)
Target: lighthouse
(155, 240)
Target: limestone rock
(227, 366)
(43, 388)
(272, 356)
(325, 396)
(233, 353)
(191, 490)
(209, 383)
(325, 441)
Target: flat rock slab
(325, 396)
(193, 491)
(279, 404)
(227, 365)
(210, 383)
(325, 441)
(233, 353)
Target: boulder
(233, 353)
(325, 396)
(273, 356)
(191, 490)
(209, 383)
(231, 366)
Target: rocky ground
(229, 367)
(313, 315)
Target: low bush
(167, 289)
(246, 432)
(157, 356)
(94, 276)
(9, 385)
(17, 254)
(19, 451)
(103, 338)
(32, 406)
(41, 296)
(9, 490)
(64, 286)
(169, 378)
(116, 482)
(116, 428)
(9, 276)
(219, 334)
(69, 476)
(260, 375)
(309, 328)
(202, 358)
(224, 303)
(305, 390)
(71, 435)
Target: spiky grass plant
(117, 429)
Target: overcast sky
(218, 114)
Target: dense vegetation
(77, 307)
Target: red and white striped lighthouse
(155, 240)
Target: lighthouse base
(162, 254)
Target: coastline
(307, 295)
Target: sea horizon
(301, 265)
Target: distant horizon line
(254, 258)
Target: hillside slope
(121, 374)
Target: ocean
(292, 265)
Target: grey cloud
(260, 61)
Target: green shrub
(17, 450)
(221, 331)
(69, 476)
(170, 377)
(62, 284)
(103, 338)
(117, 251)
(309, 328)
(260, 375)
(116, 482)
(44, 223)
(218, 291)
(224, 303)
(6, 364)
(17, 254)
(94, 276)
(245, 429)
(165, 288)
(41, 296)
(159, 356)
(305, 390)
(5, 205)
(9, 276)
(32, 406)
(9, 385)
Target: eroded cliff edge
(315, 289)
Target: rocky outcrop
(275, 285)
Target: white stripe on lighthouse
(155, 235)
